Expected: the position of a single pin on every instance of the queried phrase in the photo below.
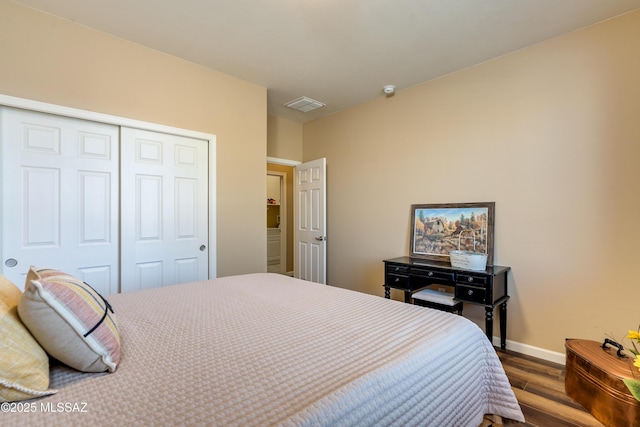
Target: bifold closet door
(59, 197)
(164, 209)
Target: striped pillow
(70, 320)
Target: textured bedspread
(265, 349)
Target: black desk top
(492, 270)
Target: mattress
(271, 350)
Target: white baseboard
(529, 350)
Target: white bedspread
(265, 350)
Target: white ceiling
(339, 52)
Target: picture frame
(437, 229)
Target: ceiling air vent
(304, 104)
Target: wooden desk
(486, 288)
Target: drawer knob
(430, 273)
(470, 292)
(470, 279)
(397, 279)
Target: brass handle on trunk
(614, 344)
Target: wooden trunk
(594, 379)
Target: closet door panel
(59, 197)
(186, 208)
(147, 275)
(148, 209)
(95, 199)
(164, 209)
(40, 209)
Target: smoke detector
(389, 89)
(304, 104)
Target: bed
(271, 350)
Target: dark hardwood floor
(539, 387)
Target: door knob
(321, 238)
(11, 262)
(203, 248)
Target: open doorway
(279, 218)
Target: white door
(310, 221)
(59, 197)
(164, 219)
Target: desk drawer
(471, 279)
(471, 293)
(442, 276)
(395, 281)
(397, 269)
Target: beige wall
(55, 61)
(284, 138)
(550, 133)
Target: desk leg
(387, 292)
(488, 323)
(407, 297)
(503, 325)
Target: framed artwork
(437, 229)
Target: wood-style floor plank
(555, 410)
(539, 388)
(550, 388)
